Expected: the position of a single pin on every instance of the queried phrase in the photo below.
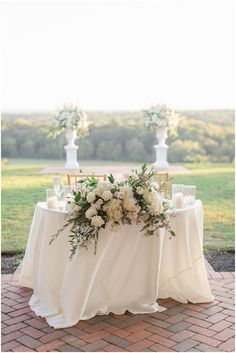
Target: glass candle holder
(177, 195)
(189, 195)
(52, 199)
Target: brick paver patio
(182, 327)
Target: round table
(129, 271)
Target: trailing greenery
(122, 136)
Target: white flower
(90, 212)
(97, 221)
(119, 195)
(91, 197)
(114, 209)
(132, 216)
(106, 195)
(154, 201)
(105, 207)
(131, 175)
(139, 190)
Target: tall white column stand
(71, 151)
(161, 149)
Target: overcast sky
(117, 55)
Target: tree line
(122, 136)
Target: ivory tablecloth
(129, 271)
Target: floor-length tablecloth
(129, 271)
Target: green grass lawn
(22, 187)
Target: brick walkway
(183, 327)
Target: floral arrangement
(70, 117)
(137, 198)
(161, 115)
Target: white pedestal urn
(161, 149)
(71, 151)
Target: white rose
(90, 212)
(106, 195)
(91, 197)
(97, 221)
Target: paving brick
(117, 341)
(230, 319)
(135, 337)
(216, 318)
(28, 341)
(11, 295)
(96, 327)
(207, 340)
(4, 317)
(213, 310)
(113, 348)
(224, 335)
(180, 326)
(52, 336)
(21, 305)
(167, 342)
(176, 318)
(15, 320)
(9, 302)
(68, 348)
(94, 346)
(195, 307)
(195, 314)
(6, 309)
(74, 331)
(177, 309)
(185, 345)
(203, 331)
(12, 328)
(220, 326)
(11, 336)
(22, 348)
(228, 312)
(32, 332)
(8, 346)
(205, 348)
(95, 336)
(159, 348)
(228, 346)
(36, 323)
(118, 331)
(139, 326)
(73, 341)
(49, 347)
(20, 312)
(160, 331)
(139, 346)
(195, 321)
(157, 322)
(181, 336)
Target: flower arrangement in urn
(70, 117)
(161, 116)
(97, 204)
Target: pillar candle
(52, 202)
(178, 200)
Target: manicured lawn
(22, 187)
